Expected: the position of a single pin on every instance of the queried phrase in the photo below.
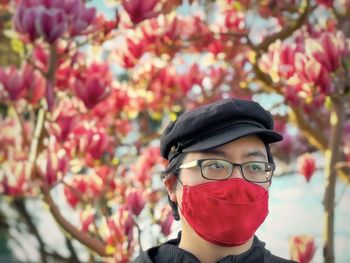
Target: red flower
(83, 17)
(86, 187)
(53, 166)
(302, 248)
(14, 179)
(279, 62)
(166, 221)
(22, 84)
(328, 50)
(25, 18)
(192, 77)
(326, 3)
(135, 49)
(135, 201)
(234, 21)
(86, 218)
(35, 85)
(65, 120)
(312, 72)
(51, 19)
(148, 159)
(51, 24)
(93, 85)
(4, 2)
(120, 227)
(306, 166)
(139, 10)
(13, 83)
(93, 142)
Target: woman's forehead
(246, 147)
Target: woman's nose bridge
(236, 172)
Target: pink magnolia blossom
(65, 120)
(109, 112)
(143, 168)
(139, 10)
(94, 84)
(73, 197)
(51, 24)
(51, 19)
(35, 85)
(306, 166)
(123, 127)
(235, 21)
(167, 38)
(328, 50)
(106, 175)
(136, 201)
(53, 166)
(106, 26)
(311, 71)
(83, 187)
(166, 221)
(14, 179)
(326, 3)
(216, 47)
(159, 37)
(190, 78)
(120, 227)
(13, 83)
(63, 77)
(4, 2)
(135, 49)
(23, 83)
(93, 142)
(302, 248)
(279, 61)
(83, 16)
(86, 218)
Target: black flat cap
(215, 124)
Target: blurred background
(86, 88)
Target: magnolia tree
(84, 98)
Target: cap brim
(233, 133)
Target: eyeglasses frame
(240, 165)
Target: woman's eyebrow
(256, 153)
(251, 153)
(214, 151)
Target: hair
(173, 168)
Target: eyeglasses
(218, 170)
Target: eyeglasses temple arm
(189, 165)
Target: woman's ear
(170, 182)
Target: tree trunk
(332, 157)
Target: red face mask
(225, 213)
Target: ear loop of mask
(269, 157)
(173, 166)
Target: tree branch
(332, 155)
(92, 243)
(314, 136)
(73, 255)
(288, 31)
(21, 124)
(21, 208)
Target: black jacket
(169, 252)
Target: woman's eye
(215, 165)
(255, 168)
